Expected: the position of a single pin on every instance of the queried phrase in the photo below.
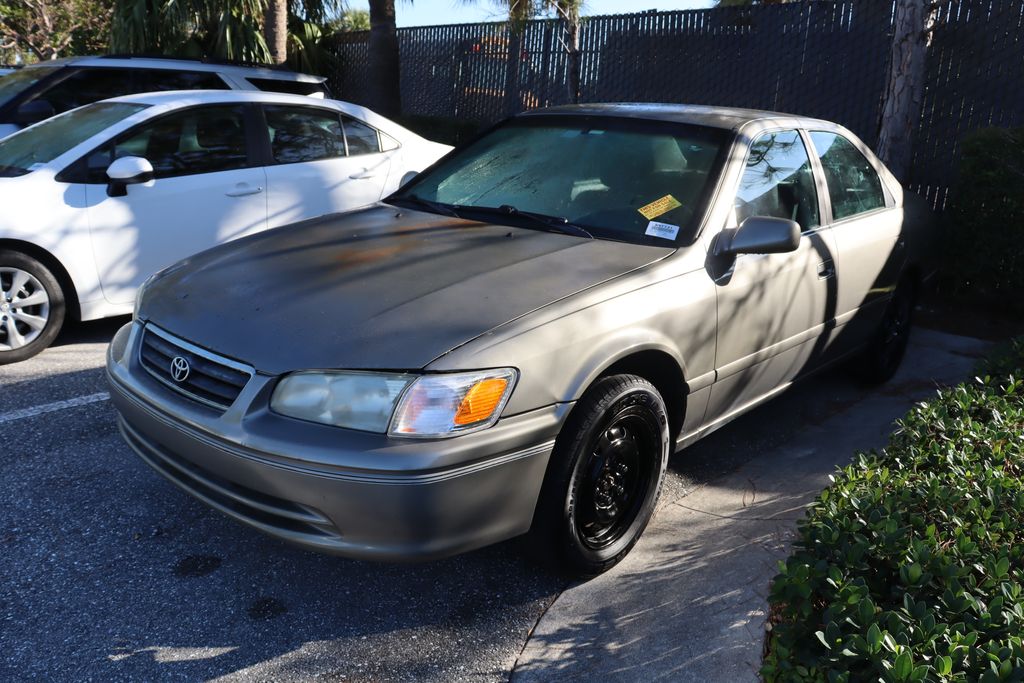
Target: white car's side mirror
(127, 171)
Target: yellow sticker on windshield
(659, 207)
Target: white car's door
(206, 189)
(321, 161)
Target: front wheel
(31, 307)
(604, 478)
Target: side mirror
(127, 171)
(761, 235)
(33, 112)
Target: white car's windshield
(21, 80)
(33, 147)
(635, 181)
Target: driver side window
(197, 140)
(778, 181)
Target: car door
(867, 227)
(207, 188)
(321, 162)
(773, 309)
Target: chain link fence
(817, 58)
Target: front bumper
(334, 490)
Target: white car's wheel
(31, 307)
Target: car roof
(193, 97)
(702, 115)
(182, 65)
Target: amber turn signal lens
(480, 401)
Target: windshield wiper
(429, 205)
(552, 223)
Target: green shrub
(910, 567)
(985, 218)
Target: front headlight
(448, 405)
(400, 404)
(356, 400)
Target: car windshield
(34, 147)
(620, 179)
(17, 82)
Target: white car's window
(853, 185)
(778, 181)
(85, 86)
(196, 140)
(156, 80)
(26, 150)
(362, 139)
(300, 134)
(13, 84)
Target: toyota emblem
(179, 369)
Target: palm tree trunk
(275, 30)
(385, 72)
(901, 107)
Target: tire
(604, 477)
(30, 327)
(886, 349)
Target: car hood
(382, 288)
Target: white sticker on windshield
(664, 230)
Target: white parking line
(53, 407)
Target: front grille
(211, 379)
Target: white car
(98, 199)
(39, 91)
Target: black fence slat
(822, 58)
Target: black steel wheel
(604, 477)
(886, 350)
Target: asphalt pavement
(107, 572)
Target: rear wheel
(31, 307)
(885, 352)
(604, 478)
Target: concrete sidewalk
(690, 602)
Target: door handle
(363, 175)
(242, 191)
(826, 269)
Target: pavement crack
(529, 634)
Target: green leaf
(943, 665)
(903, 667)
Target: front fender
(560, 355)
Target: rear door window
(300, 134)
(362, 139)
(853, 183)
(156, 80)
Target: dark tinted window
(290, 87)
(853, 184)
(361, 138)
(85, 86)
(155, 80)
(778, 181)
(199, 140)
(300, 134)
